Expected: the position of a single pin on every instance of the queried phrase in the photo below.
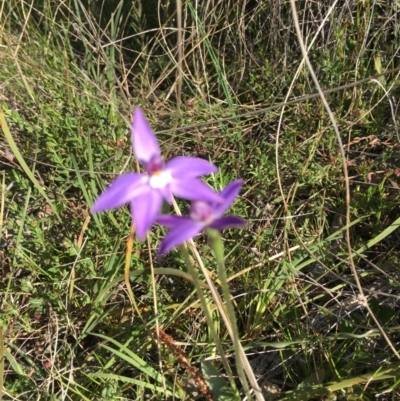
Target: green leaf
(129, 356)
(15, 365)
(216, 383)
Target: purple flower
(201, 215)
(145, 192)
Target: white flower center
(160, 180)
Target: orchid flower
(202, 215)
(146, 192)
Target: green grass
(71, 75)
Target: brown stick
(193, 372)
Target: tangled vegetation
(315, 275)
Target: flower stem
(242, 363)
(207, 312)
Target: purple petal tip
(145, 144)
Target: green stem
(198, 285)
(218, 248)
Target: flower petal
(145, 209)
(171, 220)
(145, 144)
(181, 232)
(194, 189)
(189, 167)
(227, 222)
(229, 193)
(122, 190)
